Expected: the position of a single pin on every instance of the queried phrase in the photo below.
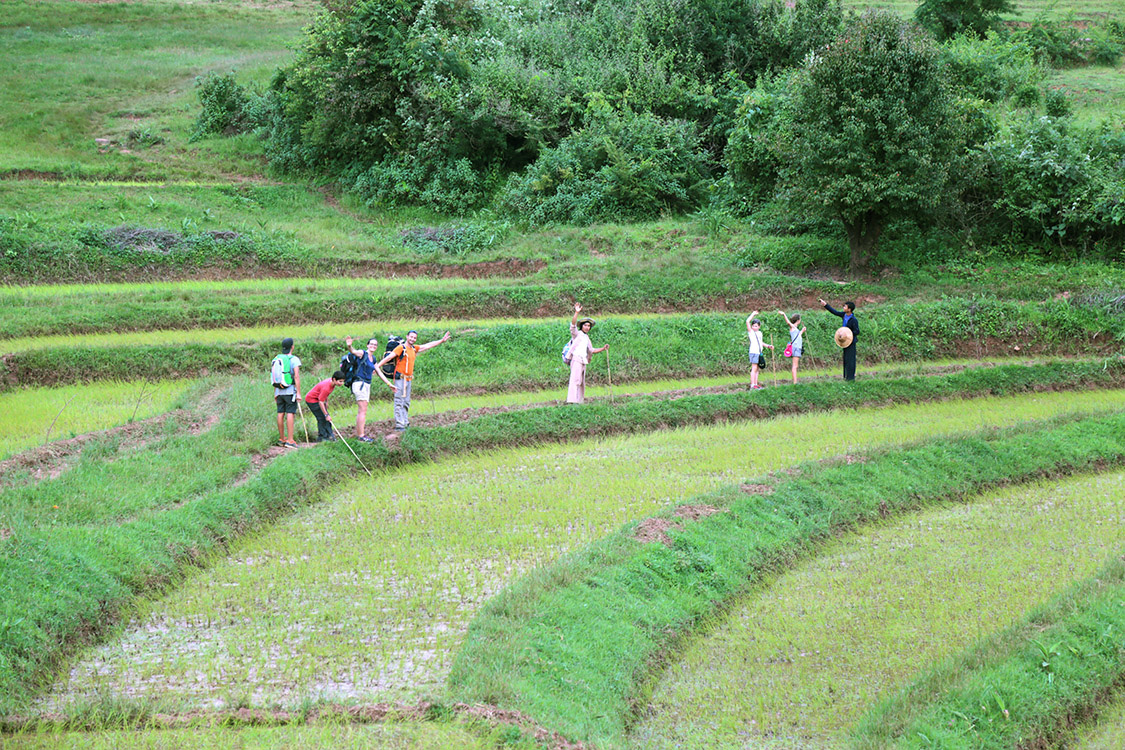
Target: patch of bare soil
(756, 489)
(695, 512)
(655, 530)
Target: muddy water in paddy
(367, 594)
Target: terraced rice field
(366, 595)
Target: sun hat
(586, 320)
(843, 337)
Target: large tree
(873, 129)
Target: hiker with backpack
(285, 374)
(317, 399)
(403, 357)
(358, 367)
(577, 354)
(796, 340)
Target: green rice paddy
(805, 654)
(366, 595)
(35, 416)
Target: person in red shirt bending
(404, 355)
(317, 399)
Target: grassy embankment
(130, 525)
(572, 643)
(528, 355)
(387, 582)
(802, 656)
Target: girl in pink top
(580, 352)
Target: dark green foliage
(993, 68)
(1058, 184)
(621, 166)
(872, 133)
(226, 107)
(573, 644)
(438, 104)
(947, 18)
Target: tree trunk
(863, 232)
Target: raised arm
(348, 340)
(577, 309)
(432, 344)
(787, 320)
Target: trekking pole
(302, 413)
(609, 376)
(345, 442)
(773, 359)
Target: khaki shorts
(361, 390)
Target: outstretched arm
(787, 320)
(351, 348)
(600, 349)
(379, 368)
(432, 344)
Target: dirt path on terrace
(51, 460)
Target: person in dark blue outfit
(852, 324)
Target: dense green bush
(1055, 183)
(227, 107)
(438, 103)
(993, 68)
(619, 166)
(947, 18)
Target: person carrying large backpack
(403, 356)
(358, 368)
(285, 375)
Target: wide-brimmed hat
(843, 337)
(586, 320)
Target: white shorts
(361, 390)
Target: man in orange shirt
(404, 356)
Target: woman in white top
(580, 352)
(796, 340)
(757, 345)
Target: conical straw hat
(843, 337)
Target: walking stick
(345, 442)
(609, 375)
(302, 413)
(773, 359)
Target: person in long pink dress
(580, 352)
